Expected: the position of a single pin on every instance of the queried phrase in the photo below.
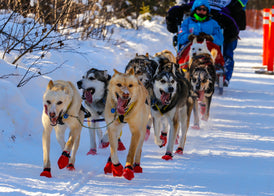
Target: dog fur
(170, 101)
(202, 78)
(62, 109)
(127, 101)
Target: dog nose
(125, 95)
(52, 114)
(79, 84)
(170, 89)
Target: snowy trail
(232, 153)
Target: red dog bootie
(70, 167)
(108, 167)
(137, 168)
(179, 150)
(121, 146)
(46, 172)
(63, 160)
(167, 156)
(103, 144)
(92, 151)
(163, 137)
(117, 170)
(128, 172)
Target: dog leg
(92, 139)
(113, 132)
(60, 135)
(73, 152)
(46, 149)
(196, 115)
(183, 117)
(174, 124)
(207, 106)
(157, 127)
(73, 136)
(136, 166)
(135, 141)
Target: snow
(232, 153)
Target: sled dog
(202, 78)
(144, 68)
(62, 109)
(170, 101)
(197, 49)
(94, 85)
(127, 102)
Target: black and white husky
(94, 85)
(170, 101)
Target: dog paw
(163, 137)
(204, 118)
(63, 160)
(137, 168)
(92, 151)
(121, 146)
(104, 144)
(108, 168)
(167, 156)
(128, 173)
(46, 173)
(197, 127)
(179, 151)
(147, 133)
(117, 170)
(71, 167)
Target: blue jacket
(192, 26)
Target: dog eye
(138, 72)
(172, 81)
(59, 102)
(91, 78)
(48, 102)
(204, 81)
(200, 49)
(163, 81)
(119, 84)
(194, 80)
(130, 85)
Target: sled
(183, 59)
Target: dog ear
(115, 71)
(147, 55)
(204, 42)
(214, 53)
(136, 54)
(106, 74)
(130, 71)
(50, 84)
(194, 40)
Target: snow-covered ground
(232, 153)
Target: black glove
(175, 16)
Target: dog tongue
(88, 96)
(121, 106)
(201, 95)
(165, 98)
